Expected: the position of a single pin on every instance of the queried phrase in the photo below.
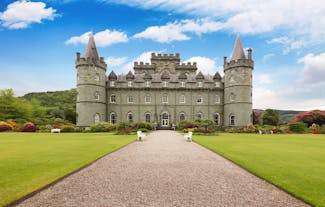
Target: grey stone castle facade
(164, 91)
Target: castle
(164, 91)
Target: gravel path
(163, 170)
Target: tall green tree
(270, 117)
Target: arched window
(97, 118)
(96, 96)
(113, 99)
(199, 115)
(199, 99)
(148, 116)
(232, 120)
(113, 118)
(182, 99)
(217, 119)
(147, 99)
(130, 117)
(181, 116)
(217, 99)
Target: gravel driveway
(163, 170)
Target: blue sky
(39, 40)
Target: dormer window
(218, 84)
(147, 84)
(112, 83)
(129, 83)
(200, 84)
(182, 84)
(165, 84)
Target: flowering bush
(316, 132)
(102, 127)
(4, 126)
(287, 131)
(67, 128)
(28, 127)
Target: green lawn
(29, 161)
(293, 162)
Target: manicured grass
(293, 162)
(29, 161)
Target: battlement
(88, 61)
(158, 56)
(143, 65)
(187, 66)
(238, 63)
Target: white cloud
(103, 38)
(20, 14)
(113, 61)
(204, 64)
(314, 69)
(262, 79)
(302, 19)
(176, 31)
(143, 57)
(267, 57)
(288, 43)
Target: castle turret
(91, 86)
(238, 87)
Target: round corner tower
(238, 87)
(91, 86)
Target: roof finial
(91, 51)
(238, 52)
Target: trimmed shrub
(67, 128)
(144, 125)
(46, 128)
(297, 127)
(79, 129)
(4, 126)
(123, 125)
(28, 127)
(102, 127)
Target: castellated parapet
(238, 63)
(81, 61)
(169, 57)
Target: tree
(270, 117)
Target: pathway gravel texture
(163, 170)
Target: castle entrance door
(165, 120)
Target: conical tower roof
(238, 52)
(91, 51)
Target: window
(217, 119)
(182, 99)
(147, 117)
(200, 84)
(232, 97)
(218, 84)
(165, 84)
(147, 84)
(217, 99)
(113, 118)
(199, 115)
(147, 99)
(130, 84)
(232, 120)
(112, 83)
(96, 96)
(130, 117)
(96, 77)
(181, 116)
(182, 84)
(97, 118)
(113, 99)
(199, 100)
(165, 99)
(130, 99)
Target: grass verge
(29, 161)
(294, 162)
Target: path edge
(31, 194)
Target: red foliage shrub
(28, 127)
(310, 117)
(288, 131)
(5, 127)
(316, 132)
(274, 131)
